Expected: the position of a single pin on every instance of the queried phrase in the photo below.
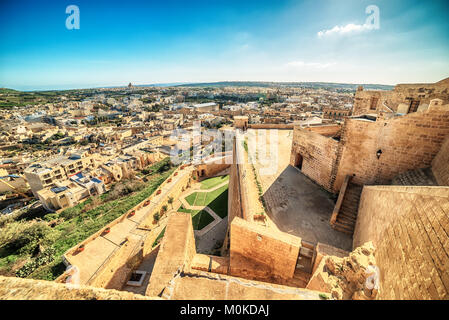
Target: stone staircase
(304, 265)
(417, 177)
(347, 215)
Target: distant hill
(7, 91)
(312, 85)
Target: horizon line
(175, 84)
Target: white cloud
(309, 65)
(347, 29)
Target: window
(373, 105)
(414, 104)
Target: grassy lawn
(73, 226)
(216, 200)
(200, 218)
(205, 198)
(213, 182)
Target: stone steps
(417, 177)
(347, 216)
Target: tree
(170, 201)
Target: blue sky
(146, 42)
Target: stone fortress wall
(259, 253)
(440, 164)
(409, 227)
(316, 154)
(405, 143)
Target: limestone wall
(117, 269)
(174, 193)
(319, 155)
(409, 227)
(199, 285)
(209, 170)
(262, 254)
(363, 100)
(215, 264)
(400, 98)
(325, 130)
(27, 289)
(345, 277)
(440, 165)
(175, 253)
(271, 126)
(237, 205)
(407, 142)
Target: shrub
(156, 216)
(51, 216)
(26, 239)
(44, 258)
(70, 213)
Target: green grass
(191, 211)
(217, 200)
(213, 182)
(191, 198)
(77, 226)
(205, 198)
(159, 237)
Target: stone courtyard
(295, 204)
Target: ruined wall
(319, 154)
(345, 277)
(400, 98)
(363, 101)
(409, 227)
(262, 254)
(322, 250)
(440, 164)
(407, 142)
